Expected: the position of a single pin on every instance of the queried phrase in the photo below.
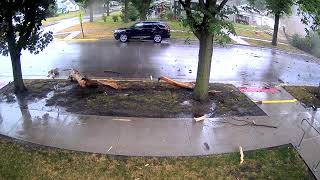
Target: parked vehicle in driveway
(152, 30)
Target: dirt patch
(307, 95)
(139, 99)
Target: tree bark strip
(91, 11)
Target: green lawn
(251, 31)
(28, 162)
(61, 17)
(269, 45)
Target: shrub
(309, 44)
(162, 15)
(53, 10)
(303, 43)
(104, 17)
(133, 13)
(115, 18)
(169, 15)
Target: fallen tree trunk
(85, 82)
(82, 80)
(186, 85)
(109, 83)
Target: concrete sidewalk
(159, 136)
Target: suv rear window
(148, 26)
(162, 26)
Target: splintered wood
(82, 80)
(85, 82)
(109, 83)
(241, 155)
(186, 85)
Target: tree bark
(275, 30)
(144, 9)
(126, 2)
(108, 8)
(204, 66)
(16, 69)
(91, 10)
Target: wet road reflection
(142, 59)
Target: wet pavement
(144, 59)
(54, 127)
(243, 66)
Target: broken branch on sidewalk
(243, 122)
(186, 85)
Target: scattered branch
(241, 155)
(177, 83)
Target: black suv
(155, 30)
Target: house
(251, 16)
(65, 6)
(247, 14)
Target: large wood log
(85, 82)
(82, 80)
(110, 83)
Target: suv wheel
(157, 38)
(123, 38)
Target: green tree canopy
(310, 11)
(143, 7)
(20, 29)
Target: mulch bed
(136, 99)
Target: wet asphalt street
(144, 59)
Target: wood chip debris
(241, 155)
(202, 118)
(109, 148)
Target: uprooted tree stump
(83, 81)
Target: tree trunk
(275, 30)
(204, 66)
(126, 2)
(108, 8)
(143, 15)
(144, 9)
(175, 9)
(16, 69)
(91, 11)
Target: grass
(269, 45)
(308, 95)
(102, 30)
(28, 162)
(251, 31)
(61, 17)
